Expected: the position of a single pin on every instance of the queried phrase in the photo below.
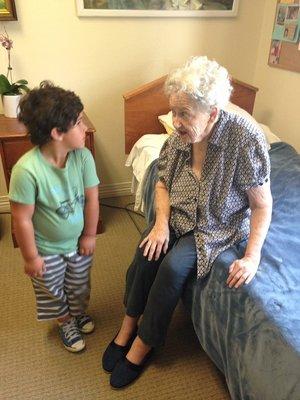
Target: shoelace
(82, 319)
(70, 330)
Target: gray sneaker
(71, 336)
(85, 323)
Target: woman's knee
(141, 267)
(170, 271)
(177, 267)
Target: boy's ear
(56, 134)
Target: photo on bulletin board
(275, 52)
(281, 14)
(292, 12)
(290, 32)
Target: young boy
(54, 204)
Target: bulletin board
(285, 46)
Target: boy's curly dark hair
(48, 107)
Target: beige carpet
(33, 363)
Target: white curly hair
(204, 80)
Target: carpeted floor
(33, 363)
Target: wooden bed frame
(143, 105)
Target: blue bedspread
(253, 333)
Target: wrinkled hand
(87, 245)
(35, 267)
(155, 242)
(242, 271)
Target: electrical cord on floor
(128, 210)
(122, 208)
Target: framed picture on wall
(8, 10)
(157, 8)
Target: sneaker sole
(72, 350)
(87, 331)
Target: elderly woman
(213, 191)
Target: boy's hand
(87, 245)
(35, 267)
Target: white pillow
(167, 122)
(270, 136)
(234, 109)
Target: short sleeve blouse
(215, 207)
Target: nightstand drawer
(13, 149)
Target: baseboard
(4, 204)
(115, 190)
(105, 191)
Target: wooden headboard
(143, 105)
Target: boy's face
(74, 138)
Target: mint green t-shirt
(58, 195)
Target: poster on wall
(284, 48)
(157, 8)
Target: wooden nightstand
(14, 142)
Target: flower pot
(11, 105)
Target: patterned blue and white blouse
(215, 207)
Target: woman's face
(191, 122)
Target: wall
(277, 102)
(101, 58)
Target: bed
(252, 334)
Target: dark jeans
(153, 288)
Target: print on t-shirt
(67, 207)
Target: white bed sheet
(145, 150)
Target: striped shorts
(64, 287)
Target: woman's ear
(213, 114)
(56, 134)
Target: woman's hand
(35, 267)
(87, 244)
(156, 241)
(242, 271)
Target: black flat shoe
(114, 352)
(125, 372)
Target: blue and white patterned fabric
(216, 206)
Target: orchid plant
(7, 87)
